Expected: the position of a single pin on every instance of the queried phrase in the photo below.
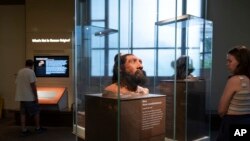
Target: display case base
(127, 119)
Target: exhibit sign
(55, 40)
(141, 118)
(49, 40)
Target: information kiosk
(52, 98)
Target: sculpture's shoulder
(112, 91)
(112, 88)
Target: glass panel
(90, 69)
(98, 24)
(166, 37)
(97, 63)
(194, 7)
(166, 57)
(114, 13)
(188, 92)
(148, 8)
(147, 56)
(167, 9)
(97, 9)
(175, 52)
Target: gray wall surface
(231, 26)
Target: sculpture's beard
(131, 81)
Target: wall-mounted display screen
(51, 66)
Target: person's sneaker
(40, 130)
(25, 133)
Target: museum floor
(9, 131)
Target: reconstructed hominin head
(131, 71)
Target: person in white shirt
(26, 94)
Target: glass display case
(175, 55)
(188, 89)
(89, 63)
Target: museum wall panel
(12, 50)
(49, 29)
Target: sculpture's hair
(122, 59)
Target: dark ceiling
(12, 2)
